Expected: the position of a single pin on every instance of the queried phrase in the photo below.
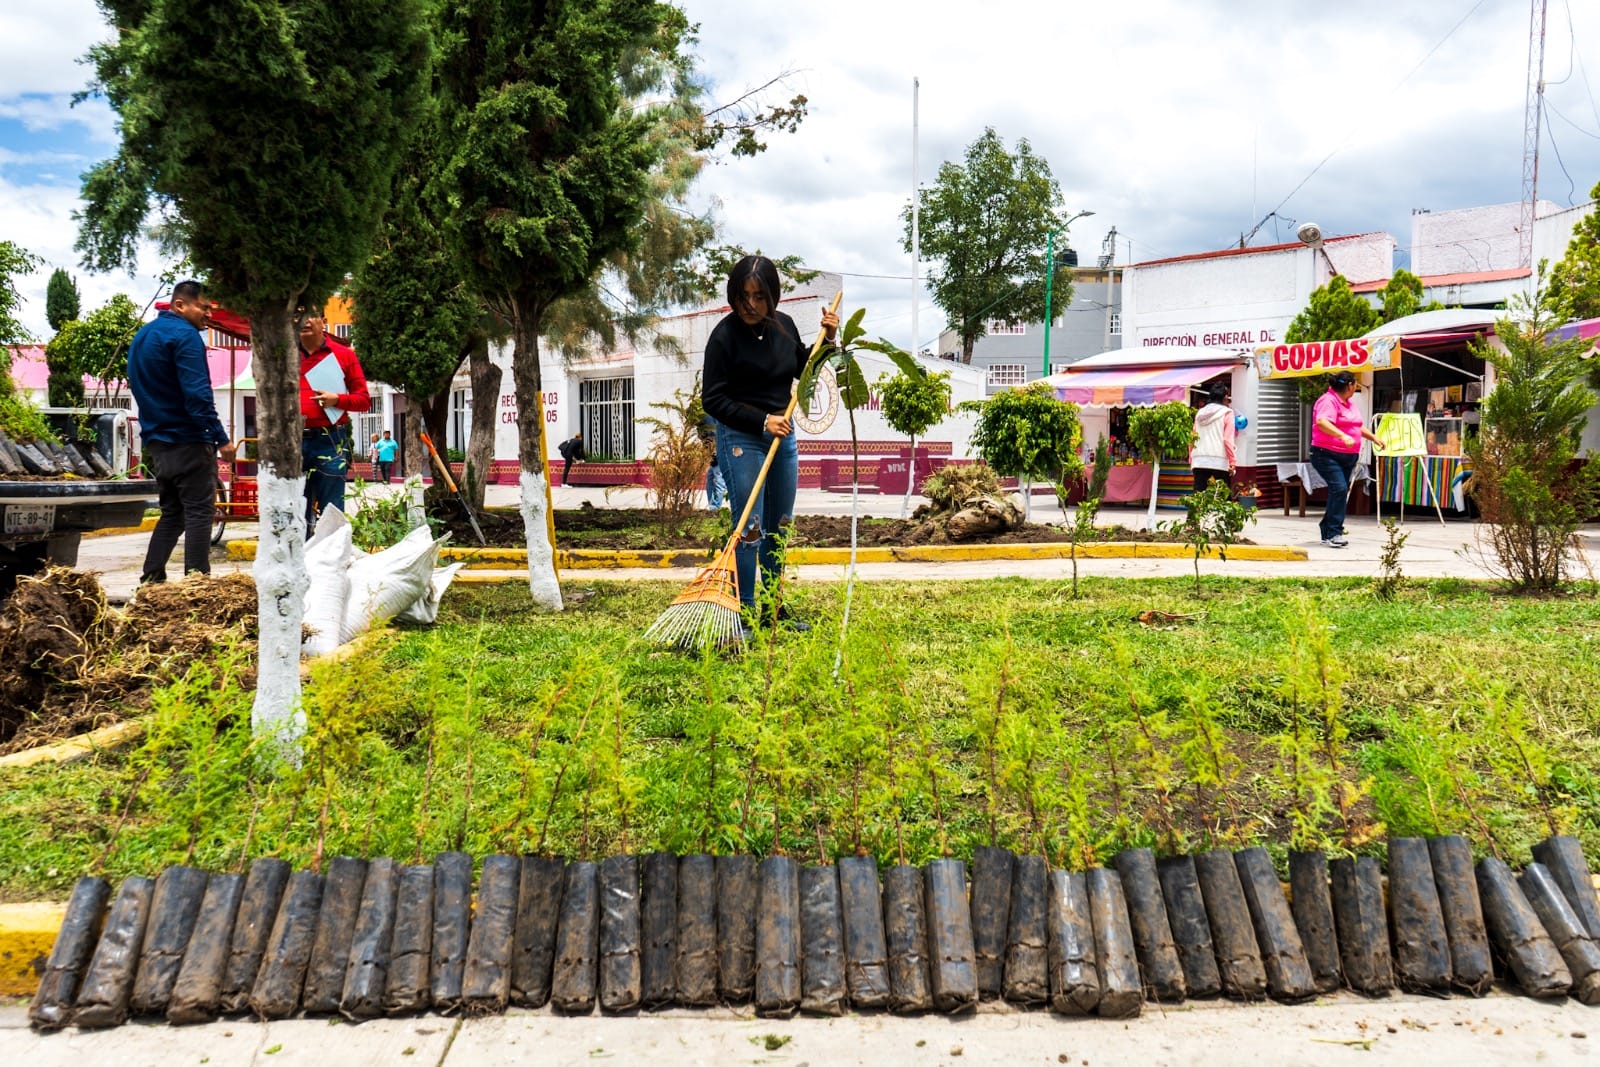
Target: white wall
(1237, 300)
(657, 371)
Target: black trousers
(186, 479)
(1204, 476)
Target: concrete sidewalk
(1433, 549)
(1400, 1030)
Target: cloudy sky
(1180, 122)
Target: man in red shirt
(325, 442)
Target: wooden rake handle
(440, 464)
(772, 449)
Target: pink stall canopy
(29, 371)
(1119, 387)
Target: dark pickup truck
(52, 493)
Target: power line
(1397, 87)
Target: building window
(1116, 323)
(460, 428)
(363, 424)
(605, 417)
(342, 331)
(1001, 329)
(1005, 375)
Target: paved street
(1433, 550)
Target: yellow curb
(26, 933)
(145, 526)
(577, 559)
(117, 735)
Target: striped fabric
(1121, 387)
(1400, 478)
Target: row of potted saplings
(369, 938)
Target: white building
(605, 398)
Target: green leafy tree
(1333, 313)
(1028, 433)
(1574, 289)
(546, 174)
(60, 299)
(912, 404)
(1164, 431)
(1526, 472)
(266, 133)
(1402, 296)
(13, 261)
(987, 222)
(96, 346)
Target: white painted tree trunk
(911, 479)
(281, 583)
(1155, 480)
(542, 582)
(1027, 500)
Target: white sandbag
(328, 556)
(426, 608)
(384, 584)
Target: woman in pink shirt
(1337, 428)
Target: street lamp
(1049, 281)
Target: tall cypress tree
(547, 173)
(60, 299)
(266, 133)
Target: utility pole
(1108, 257)
(916, 236)
(1049, 280)
(1530, 134)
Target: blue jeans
(1335, 468)
(716, 488)
(325, 456)
(739, 457)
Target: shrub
(1529, 478)
(951, 487)
(679, 456)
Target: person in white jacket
(1211, 456)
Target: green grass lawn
(1297, 713)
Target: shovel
(444, 469)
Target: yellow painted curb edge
(577, 559)
(145, 526)
(104, 739)
(26, 933)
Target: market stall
(1106, 386)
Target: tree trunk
(525, 376)
(911, 479)
(485, 375)
(1155, 480)
(430, 414)
(280, 567)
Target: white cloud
(41, 45)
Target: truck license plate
(24, 519)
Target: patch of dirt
(637, 529)
(70, 663)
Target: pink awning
(1120, 387)
(30, 372)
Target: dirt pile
(70, 663)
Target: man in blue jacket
(182, 435)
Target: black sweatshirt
(750, 371)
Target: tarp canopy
(1444, 326)
(1120, 387)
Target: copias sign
(1306, 358)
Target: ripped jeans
(740, 455)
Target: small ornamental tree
(1212, 517)
(96, 346)
(1529, 477)
(1028, 433)
(61, 303)
(1162, 432)
(912, 404)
